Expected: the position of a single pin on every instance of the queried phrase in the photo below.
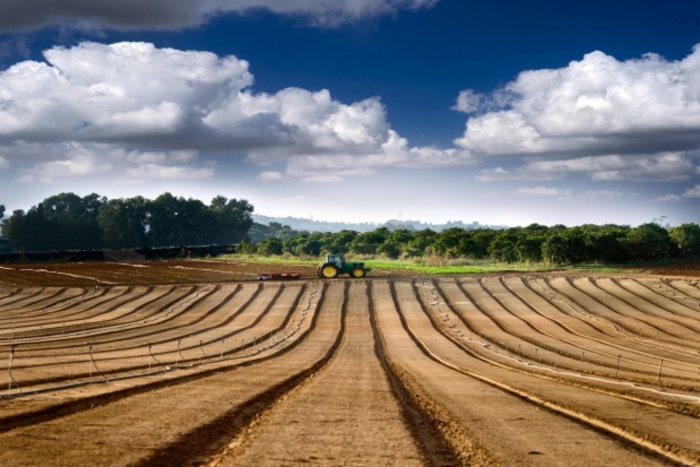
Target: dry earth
(196, 363)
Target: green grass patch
(432, 265)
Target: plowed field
(195, 363)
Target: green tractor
(335, 265)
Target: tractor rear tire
(358, 273)
(328, 271)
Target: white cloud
(640, 118)
(468, 101)
(270, 176)
(4, 164)
(669, 198)
(158, 109)
(658, 167)
(150, 172)
(19, 15)
(689, 193)
(693, 192)
(499, 174)
(543, 191)
(78, 163)
(597, 194)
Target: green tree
(502, 248)
(123, 222)
(565, 246)
(368, 242)
(176, 221)
(420, 243)
(454, 242)
(338, 242)
(649, 242)
(606, 243)
(270, 246)
(61, 222)
(686, 240)
(227, 221)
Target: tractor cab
(338, 260)
(335, 264)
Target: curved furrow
(591, 412)
(679, 368)
(83, 398)
(680, 303)
(90, 329)
(688, 291)
(194, 419)
(203, 341)
(531, 329)
(626, 358)
(645, 326)
(625, 383)
(39, 302)
(87, 309)
(572, 298)
(112, 311)
(77, 329)
(490, 311)
(638, 302)
(672, 308)
(17, 296)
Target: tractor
(335, 264)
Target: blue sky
(505, 113)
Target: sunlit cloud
(614, 120)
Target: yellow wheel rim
(328, 271)
(358, 272)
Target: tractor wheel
(328, 271)
(358, 273)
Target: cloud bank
(166, 113)
(27, 15)
(633, 120)
(92, 107)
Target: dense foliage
(69, 222)
(534, 243)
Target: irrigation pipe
(435, 305)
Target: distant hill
(311, 225)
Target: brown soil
(198, 363)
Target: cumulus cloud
(543, 191)
(270, 176)
(613, 119)
(24, 15)
(158, 110)
(689, 193)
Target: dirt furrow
(176, 424)
(592, 411)
(345, 414)
(198, 344)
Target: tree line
(535, 243)
(69, 222)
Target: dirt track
(492, 370)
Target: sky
(504, 113)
